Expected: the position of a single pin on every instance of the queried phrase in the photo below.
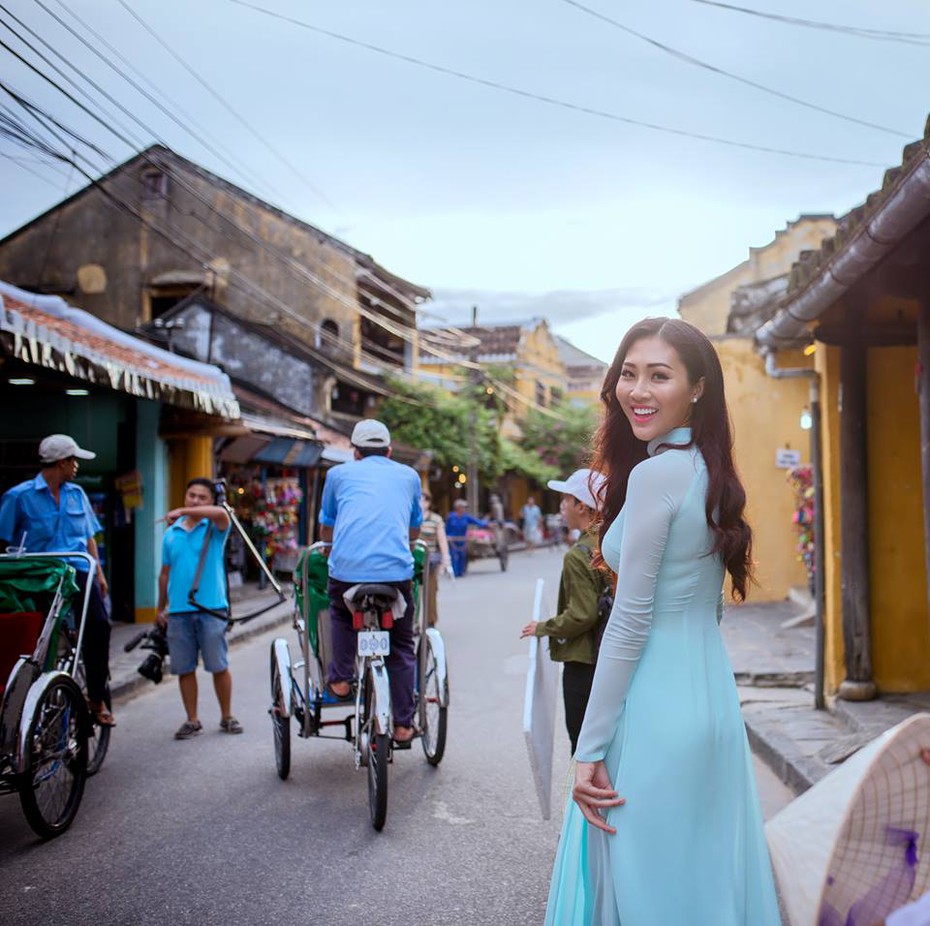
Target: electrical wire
(130, 141)
(554, 101)
(243, 280)
(883, 35)
(170, 111)
(239, 118)
(697, 62)
(192, 249)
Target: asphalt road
(203, 831)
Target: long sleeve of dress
(656, 489)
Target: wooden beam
(854, 525)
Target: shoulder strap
(192, 595)
(200, 562)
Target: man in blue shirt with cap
(371, 513)
(51, 513)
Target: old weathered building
(160, 228)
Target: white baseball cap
(57, 447)
(370, 433)
(583, 484)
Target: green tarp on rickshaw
(312, 595)
(30, 584)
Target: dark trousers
(576, 689)
(401, 661)
(96, 643)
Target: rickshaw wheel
(98, 742)
(281, 726)
(55, 759)
(98, 735)
(379, 748)
(434, 729)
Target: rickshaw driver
(370, 512)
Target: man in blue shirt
(457, 534)
(191, 631)
(371, 513)
(51, 513)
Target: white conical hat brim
(837, 831)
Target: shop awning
(274, 443)
(47, 332)
(289, 452)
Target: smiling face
(654, 390)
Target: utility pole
(474, 378)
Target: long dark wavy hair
(617, 450)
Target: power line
(131, 142)
(194, 250)
(697, 62)
(883, 35)
(243, 172)
(191, 247)
(240, 119)
(553, 101)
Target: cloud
(558, 307)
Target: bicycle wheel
(98, 742)
(435, 715)
(98, 735)
(55, 759)
(378, 746)
(281, 725)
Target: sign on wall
(787, 459)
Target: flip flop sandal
(102, 715)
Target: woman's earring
(694, 399)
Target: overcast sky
(486, 196)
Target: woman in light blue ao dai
(665, 827)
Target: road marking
(441, 812)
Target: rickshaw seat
(19, 631)
(384, 595)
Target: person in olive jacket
(574, 630)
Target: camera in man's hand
(156, 640)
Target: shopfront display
(267, 500)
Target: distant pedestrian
(532, 523)
(573, 631)
(51, 513)
(665, 826)
(457, 533)
(193, 555)
(433, 534)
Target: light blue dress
(664, 715)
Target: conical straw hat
(856, 846)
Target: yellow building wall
(827, 363)
(766, 414)
(538, 361)
(708, 308)
(188, 458)
(897, 571)
(776, 258)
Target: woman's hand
(593, 793)
(528, 631)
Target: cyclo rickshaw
(49, 742)
(299, 690)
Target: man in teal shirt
(200, 525)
